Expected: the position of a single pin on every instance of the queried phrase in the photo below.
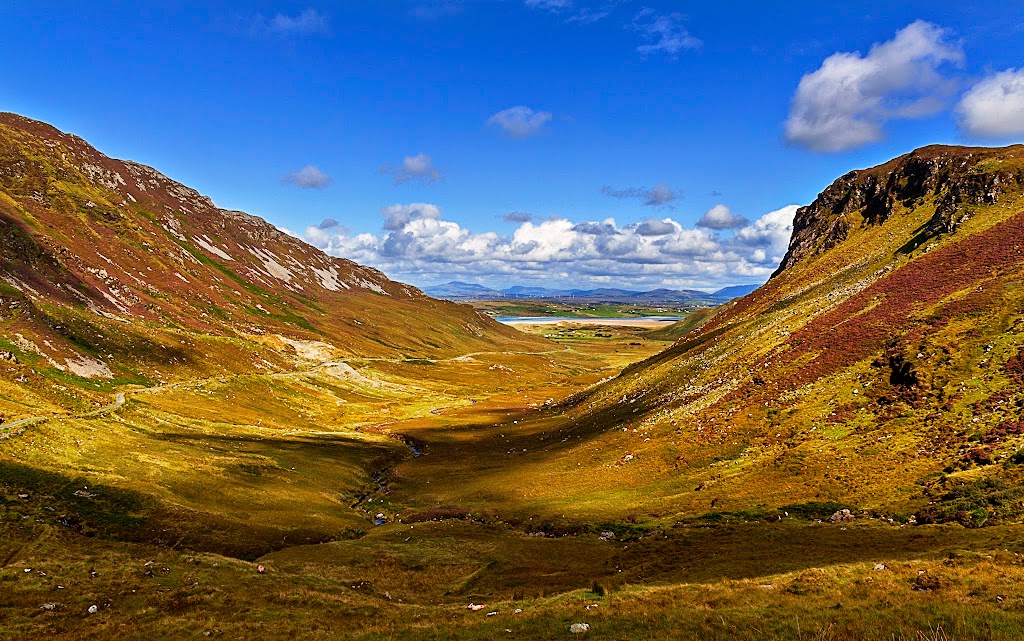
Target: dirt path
(16, 428)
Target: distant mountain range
(457, 290)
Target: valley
(182, 491)
(211, 428)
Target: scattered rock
(881, 566)
(926, 583)
(607, 536)
(579, 628)
(474, 607)
(842, 516)
(492, 613)
(50, 607)
(93, 609)
(517, 611)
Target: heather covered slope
(110, 271)
(880, 368)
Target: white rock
(579, 628)
(93, 609)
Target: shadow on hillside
(79, 506)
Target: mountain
(880, 367)
(460, 291)
(729, 293)
(456, 290)
(110, 271)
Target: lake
(637, 321)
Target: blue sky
(521, 141)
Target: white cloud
(655, 227)
(573, 13)
(721, 217)
(398, 216)
(994, 108)
(418, 244)
(664, 33)
(521, 121)
(846, 102)
(769, 233)
(589, 15)
(307, 22)
(309, 177)
(414, 168)
(659, 195)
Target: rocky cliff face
(954, 179)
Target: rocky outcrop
(954, 179)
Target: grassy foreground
(178, 496)
(416, 583)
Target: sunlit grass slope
(880, 369)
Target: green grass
(714, 452)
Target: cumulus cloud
(663, 33)
(419, 168)
(328, 223)
(307, 22)
(654, 227)
(417, 243)
(309, 177)
(846, 102)
(398, 216)
(994, 108)
(658, 196)
(521, 121)
(721, 217)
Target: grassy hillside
(878, 369)
(113, 274)
(838, 455)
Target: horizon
(557, 289)
(553, 143)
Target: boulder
(579, 628)
(842, 516)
